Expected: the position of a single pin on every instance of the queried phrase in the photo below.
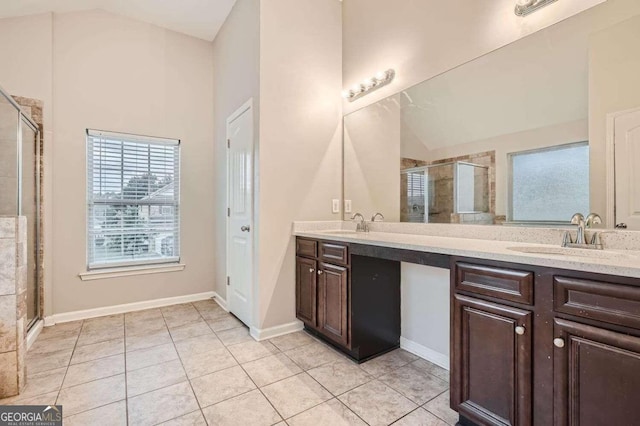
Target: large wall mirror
(523, 135)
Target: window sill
(130, 271)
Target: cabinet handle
(558, 342)
(311, 270)
(520, 330)
(319, 272)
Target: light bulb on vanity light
(368, 83)
(525, 7)
(382, 78)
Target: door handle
(319, 272)
(558, 342)
(520, 330)
(621, 226)
(245, 228)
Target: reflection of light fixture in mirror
(525, 7)
(369, 85)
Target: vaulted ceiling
(198, 18)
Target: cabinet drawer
(334, 253)
(597, 300)
(507, 284)
(306, 247)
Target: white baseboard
(271, 332)
(33, 334)
(220, 301)
(128, 307)
(430, 355)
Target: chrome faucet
(583, 224)
(578, 219)
(375, 216)
(362, 225)
(593, 219)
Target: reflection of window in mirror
(549, 184)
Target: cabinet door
(333, 303)
(491, 362)
(306, 291)
(597, 376)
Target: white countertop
(612, 262)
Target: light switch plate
(335, 205)
(347, 206)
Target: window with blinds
(416, 196)
(133, 195)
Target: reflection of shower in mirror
(453, 192)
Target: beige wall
(300, 138)
(118, 74)
(26, 54)
(113, 73)
(372, 160)
(614, 65)
(236, 79)
(408, 36)
(425, 300)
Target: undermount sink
(574, 252)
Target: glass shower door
(30, 204)
(20, 187)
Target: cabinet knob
(520, 330)
(311, 270)
(558, 342)
(319, 272)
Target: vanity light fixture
(525, 7)
(369, 85)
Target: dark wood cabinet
(574, 362)
(332, 302)
(491, 364)
(530, 345)
(350, 301)
(502, 283)
(597, 376)
(306, 290)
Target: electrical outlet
(335, 205)
(347, 206)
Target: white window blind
(415, 196)
(133, 194)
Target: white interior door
(240, 212)
(627, 170)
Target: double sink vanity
(540, 334)
(478, 172)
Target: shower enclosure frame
(22, 118)
(455, 165)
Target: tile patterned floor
(195, 364)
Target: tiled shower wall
(444, 189)
(13, 298)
